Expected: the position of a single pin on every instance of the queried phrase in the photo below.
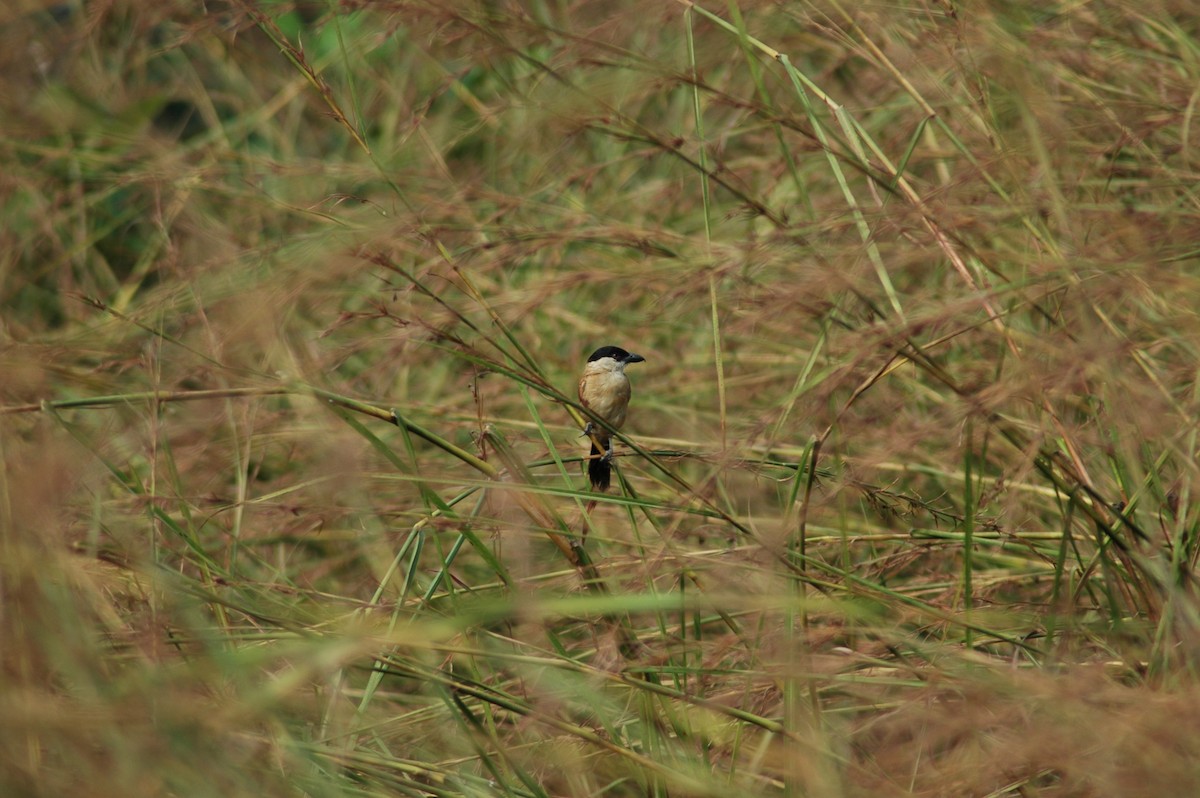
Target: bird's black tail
(599, 470)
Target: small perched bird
(604, 389)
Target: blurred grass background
(294, 300)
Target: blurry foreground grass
(294, 300)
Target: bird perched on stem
(604, 389)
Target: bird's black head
(616, 353)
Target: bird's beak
(632, 358)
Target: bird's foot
(608, 456)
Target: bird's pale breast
(607, 394)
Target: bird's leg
(608, 456)
(588, 430)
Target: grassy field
(294, 298)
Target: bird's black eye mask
(616, 353)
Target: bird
(604, 389)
